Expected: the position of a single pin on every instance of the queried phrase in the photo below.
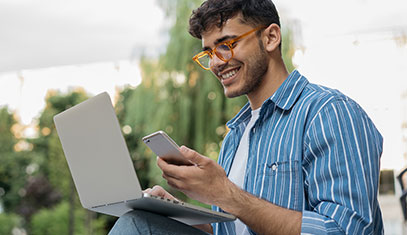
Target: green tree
(54, 221)
(288, 48)
(13, 164)
(7, 138)
(8, 222)
(38, 194)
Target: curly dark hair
(217, 12)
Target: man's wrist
(233, 199)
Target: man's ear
(271, 37)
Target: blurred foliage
(12, 179)
(12, 164)
(8, 222)
(288, 49)
(38, 194)
(54, 221)
(175, 96)
(7, 138)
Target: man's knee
(136, 215)
(144, 222)
(133, 222)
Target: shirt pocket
(281, 184)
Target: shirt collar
(289, 91)
(284, 98)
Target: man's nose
(216, 62)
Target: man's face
(243, 74)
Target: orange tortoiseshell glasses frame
(223, 51)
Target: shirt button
(274, 167)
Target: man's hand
(159, 192)
(206, 181)
(203, 181)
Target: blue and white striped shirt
(313, 150)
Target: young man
(299, 158)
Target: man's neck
(272, 80)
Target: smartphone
(166, 148)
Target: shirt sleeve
(342, 150)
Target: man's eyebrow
(224, 38)
(219, 40)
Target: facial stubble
(257, 66)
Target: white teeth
(229, 74)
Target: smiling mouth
(226, 77)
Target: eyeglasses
(223, 51)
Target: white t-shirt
(238, 168)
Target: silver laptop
(103, 172)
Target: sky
(45, 33)
(356, 46)
(56, 44)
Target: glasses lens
(224, 52)
(205, 61)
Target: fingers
(173, 171)
(156, 191)
(179, 176)
(148, 190)
(159, 192)
(174, 183)
(193, 156)
(174, 175)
